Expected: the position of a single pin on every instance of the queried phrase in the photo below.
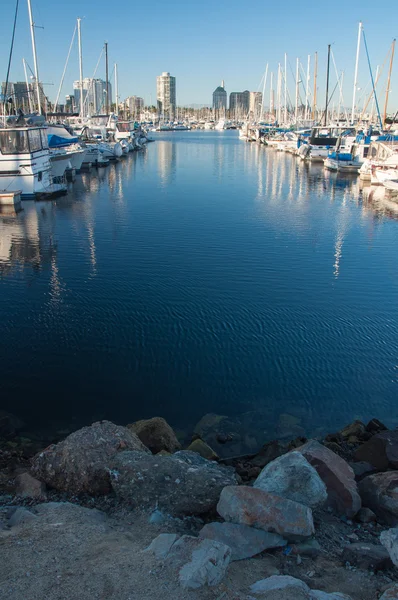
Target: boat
(382, 160)
(25, 160)
(391, 184)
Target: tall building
(17, 96)
(94, 95)
(239, 102)
(255, 102)
(220, 97)
(134, 105)
(166, 94)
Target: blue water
(202, 275)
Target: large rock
(80, 464)
(379, 492)
(381, 451)
(279, 583)
(367, 556)
(243, 540)
(181, 484)
(389, 539)
(269, 452)
(208, 565)
(337, 475)
(162, 544)
(200, 447)
(156, 434)
(254, 507)
(391, 593)
(27, 486)
(291, 476)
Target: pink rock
(29, 487)
(337, 475)
(254, 507)
(381, 451)
(380, 493)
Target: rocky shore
(135, 513)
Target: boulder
(200, 447)
(208, 565)
(243, 540)
(375, 426)
(337, 475)
(381, 451)
(29, 487)
(21, 516)
(367, 556)
(379, 492)
(356, 429)
(278, 583)
(156, 434)
(181, 484)
(268, 453)
(308, 548)
(162, 544)
(291, 476)
(361, 469)
(365, 515)
(80, 464)
(254, 507)
(389, 539)
(391, 593)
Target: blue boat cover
(56, 141)
(340, 155)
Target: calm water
(203, 275)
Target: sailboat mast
(356, 73)
(297, 91)
(79, 39)
(116, 91)
(340, 96)
(263, 99)
(27, 86)
(307, 86)
(36, 68)
(106, 80)
(327, 88)
(271, 95)
(388, 83)
(285, 90)
(372, 111)
(278, 94)
(315, 85)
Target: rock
(280, 583)
(162, 544)
(156, 434)
(80, 464)
(389, 539)
(361, 469)
(308, 548)
(379, 492)
(365, 515)
(318, 595)
(200, 447)
(367, 556)
(208, 565)
(21, 516)
(244, 541)
(268, 453)
(291, 476)
(29, 487)
(375, 426)
(212, 428)
(391, 593)
(9, 424)
(355, 429)
(181, 484)
(381, 451)
(254, 507)
(337, 475)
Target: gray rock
(80, 464)
(318, 595)
(308, 548)
(208, 565)
(381, 451)
(337, 475)
(156, 434)
(243, 540)
(21, 516)
(379, 492)
(280, 583)
(27, 486)
(365, 515)
(251, 506)
(391, 593)
(361, 469)
(389, 539)
(269, 452)
(181, 484)
(367, 556)
(162, 544)
(291, 476)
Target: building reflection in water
(167, 160)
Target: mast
(262, 103)
(285, 90)
(307, 86)
(27, 86)
(297, 91)
(388, 82)
(116, 91)
(372, 111)
(356, 73)
(79, 38)
(315, 82)
(327, 88)
(340, 96)
(32, 33)
(271, 95)
(278, 94)
(106, 80)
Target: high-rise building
(94, 95)
(255, 102)
(239, 102)
(166, 94)
(17, 96)
(134, 105)
(220, 97)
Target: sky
(201, 43)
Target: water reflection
(167, 160)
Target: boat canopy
(59, 136)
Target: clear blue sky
(200, 43)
